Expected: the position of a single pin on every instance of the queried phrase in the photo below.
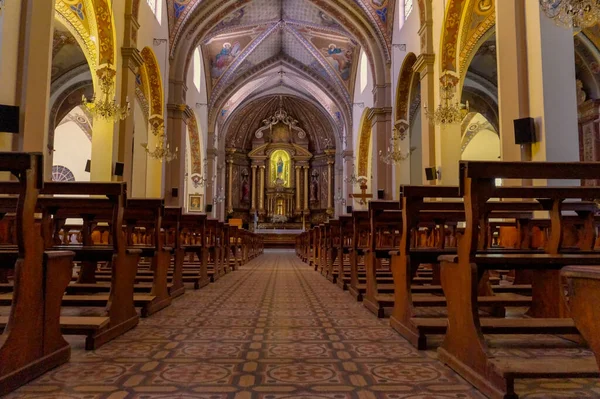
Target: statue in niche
(245, 186)
(279, 168)
(314, 186)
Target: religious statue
(314, 186)
(279, 168)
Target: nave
(273, 329)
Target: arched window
(62, 174)
(156, 8)
(197, 68)
(363, 71)
(408, 7)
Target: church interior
(299, 199)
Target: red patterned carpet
(273, 330)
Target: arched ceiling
(66, 53)
(249, 117)
(306, 48)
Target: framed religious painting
(195, 203)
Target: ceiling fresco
(264, 30)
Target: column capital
(253, 166)
(132, 57)
(424, 63)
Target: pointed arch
(403, 92)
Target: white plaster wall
(363, 98)
(415, 162)
(485, 146)
(72, 149)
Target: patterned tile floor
(273, 330)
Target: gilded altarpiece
(279, 181)
(589, 134)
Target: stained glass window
(408, 7)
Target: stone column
(330, 194)
(261, 190)
(254, 188)
(306, 206)
(381, 119)
(230, 153)
(33, 73)
(132, 60)
(177, 117)
(425, 67)
(298, 188)
(513, 82)
(552, 87)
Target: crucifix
(363, 196)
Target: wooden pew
(333, 251)
(172, 231)
(31, 343)
(195, 243)
(108, 202)
(344, 252)
(583, 296)
(464, 348)
(360, 242)
(384, 237)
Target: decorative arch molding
(82, 32)
(465, 24)
(364, 144)
(196, 157)
(587, 62)
(154, 82)
(403, 93)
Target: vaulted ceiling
(292, 47)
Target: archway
(73, 147)
(365, 149)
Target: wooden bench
(172, 232)
(360, 242)
(31, 342)
(464, 348)
(346, 234)
(194, 243)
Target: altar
(279, 180)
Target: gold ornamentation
(106, 107)
(162, 150)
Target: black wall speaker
(380, 194)
(119, 167)
(349, 209)
(88, 166)
(208, 208)
(430, 174)
(175, 192)
(9, 119)
(525, 131)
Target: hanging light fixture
(2, 6)
(162, 150)
(448, 112)
(220, 197)
(394, 155)
(106, 107)
(574, 14)
(339, 197)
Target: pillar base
(331, 211)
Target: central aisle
(274, 329)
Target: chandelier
(575, 14)
(204, 180)
(448, 112)
(339, 197)
(395, 155)
(106, 107)
(161, 151)
(220, 197)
